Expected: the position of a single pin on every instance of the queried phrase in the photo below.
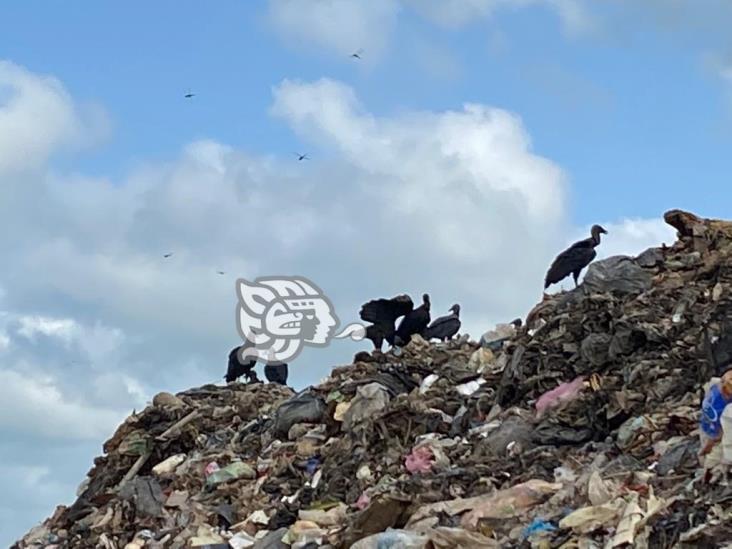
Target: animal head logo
(277, 316)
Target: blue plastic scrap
(538, 526)
(312, 465)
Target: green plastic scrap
(235, 470)
(336, 396)
(136, 443)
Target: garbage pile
(575, 429)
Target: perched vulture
(445, 327)
(276, 373)
(382, 313)
(236, 369)
(413, 322)
(377, 333)
(574, 259)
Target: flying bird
(574, 259)
(383, 314)
(221, 272)
(414, 322)
(168, 255)
(357, 55)
(444, 327)
(189, 95)
(302, 156)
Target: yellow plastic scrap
(303, 531)
(510, 502)
(169, 465)
(205, 536)
(587, 519)
(625, 532)
(340, 411)
(332, 517)
(599, 491)
(595, 382)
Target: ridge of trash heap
(578, 430)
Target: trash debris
(369, 400)
(494, 339)
(587, 519)
(581, 429)
(427, 383)
(537, 527)
(559, 395)
(233, 471)
(396, 539)
(599, 491)
(467, 389)
(717, 398)
(419, 460)
(169, 465)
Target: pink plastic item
(419, 460)
(363, 501)
(211, 468)
(559, 395)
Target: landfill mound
(578, 429)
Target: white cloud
(573, 14)
(456, 13)
(95, 343)
(4, 341)
(576, 18)
(438, 158)
(31, 326)
(36, 406)
(634, 236)
(37, 116)
(340, 26)
(120, 391)
(71, 371)
(30, 493)
(345, 26)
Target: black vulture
(276, 373)
(236, 368)
(445, 327)
(574, 259)
(383, 313)
(413, 322)
(377, 333)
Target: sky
(471, 143)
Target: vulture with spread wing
(382, 313)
